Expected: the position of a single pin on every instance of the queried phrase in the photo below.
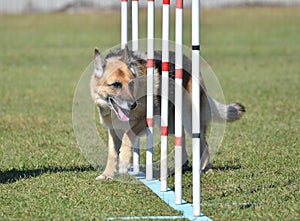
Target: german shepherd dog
(121, 102)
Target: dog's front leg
(113, 142)
(126, 151)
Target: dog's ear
(126, 56)
(99, 63)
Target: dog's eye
(116, 84)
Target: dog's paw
(209, 171)
(104, 177)
(123, 168)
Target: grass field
(43, 175)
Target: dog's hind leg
(187, 121)
(185, 157)
(205, 119)
(205, 157)
(113, 145)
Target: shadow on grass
(14, 175)
(227, 167)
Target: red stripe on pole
(124, 0)
(150, 63)
(150, 122)
(164, 131)
(166, 2)
(150, 0)
(178, 141)
(179, 3)
(165, 66)
(178, 73)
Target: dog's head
(113, 83)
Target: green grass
(253, 51)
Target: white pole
(150, 90)
(135, 25)
(178, 101)
(124, 30)
(135, 47)
(196, 104)
(165, 95)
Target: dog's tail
(226, 112)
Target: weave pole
(135, 24)
(167, 196)
(150, 90)
(124, 24)
(178, 100)
(196, 104)
(135, 47)
(165, 95)
(160, 188)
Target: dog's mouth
(122, 113)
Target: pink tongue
(122, 115)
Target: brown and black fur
(119, 83)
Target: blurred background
(29, 6)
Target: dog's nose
(133, 105)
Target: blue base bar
(169, 198)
